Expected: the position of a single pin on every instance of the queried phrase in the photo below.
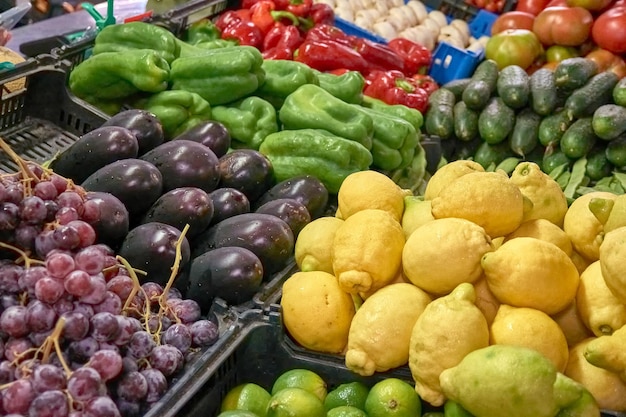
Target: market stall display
(346, 224)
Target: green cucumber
(439, 120)
(543, 93)
(525, 135)
(457, 86)
(573, 73)
(554, 159)
(609, 121)
(465, 122)
(619, 92)
(578, 139)
(597, 91)
(598, 165)
(491, 155)
(552, 128)
(482, 85)
(513, 86)
(616, 151)
(496, 121)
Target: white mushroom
(432, 26)
(462, 26)
(438, 17)
(385, 29)
(419, 9)
(411, 17)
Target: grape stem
(53, 341)
(23, 255)
(18, 159)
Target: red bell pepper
(282, 43)
(328, 55)
(417, 58)
(261, 12)
(245, 32)
(300, 8)
(247, 4)
(393, 87)
(380, 56)
(324, 32)
(230, 17)
(425, 82)
(322, 14)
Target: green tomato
(557, 53)
(514, 47)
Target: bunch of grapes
(79, 335)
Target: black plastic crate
(259, 354)
(42, 118)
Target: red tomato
(608, 61)
(513, 20)
(562, 25)
(533, 7)
(514, 47)
(557, 53)
(609, 30)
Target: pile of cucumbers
(571, 121)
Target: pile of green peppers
(305, 121)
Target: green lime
(351, 393)
(393, 397)
(301, 378)
(346, 411)
(247, 397)
(237, 413)
(454, 409)
(433, 414)
(295, 402)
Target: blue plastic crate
(451, 63)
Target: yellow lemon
(417, 211)
(546, 195)
(449, 328)
(314, 245)
(448, 173)
(580, 261)
(612, 256)
(607, 387)
(370, 190)
(531, 328)
(571, 324)
(528, 272)
(428, 253)
(381, 329)
(393, 397)
(295, 402)
(248, 397)
(583, 227)
(599, 309)
(485, 300)
(367, 251)
(545, 230)
(301, 378)
(488, 199)
(316, 312)
(617, 216)
(607, 352)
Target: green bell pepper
(201, 31)
(394, 140)
(316, 152)
(283, 77)
(137, 35)
(177, 110)
(347, 86)
(116, 75)
(219, 75)
(248, 121)
(312, 107)
(409, 114)
(414, 177)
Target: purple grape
(204, 333)
(76, 325)
(64, 305)
(128, 408)
(90, 259)
(127, 329)
(84, 309)
(45, 190)
(179, 336)
(158, 323)
(111, 304)
(122, 285)
(48, 377)
(153, 291)
(9, 216)
(14, 321)
(132, 386)
(104, 326)
(10, 275)
(141, 344)
(101, 407)
(49, 290)
(52, 208)
(44, 243)
(59, 182)
(7, 372)
(108, 363)
(30, 277)
(59, 264)
(167, 359)
(49, 404)
(14, 192)
(99, 290)
(16, 347)
(33, 210)
(70, 199)
(85, 383)
(129, 364)
(66, 237)
(41, 316)
(65, 215)
(17, 397)
(188, 311)
(78, 283)
(157, 384)
(86, 234)
(81, 350)
(8, 300)
(25, 235)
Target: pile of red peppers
(304, 31)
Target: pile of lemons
(485, 269)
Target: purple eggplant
(228, 202)
(144, 125)
(108, 216)
(248, 171)
(293, 212)
(306, 189)
(210, 133)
